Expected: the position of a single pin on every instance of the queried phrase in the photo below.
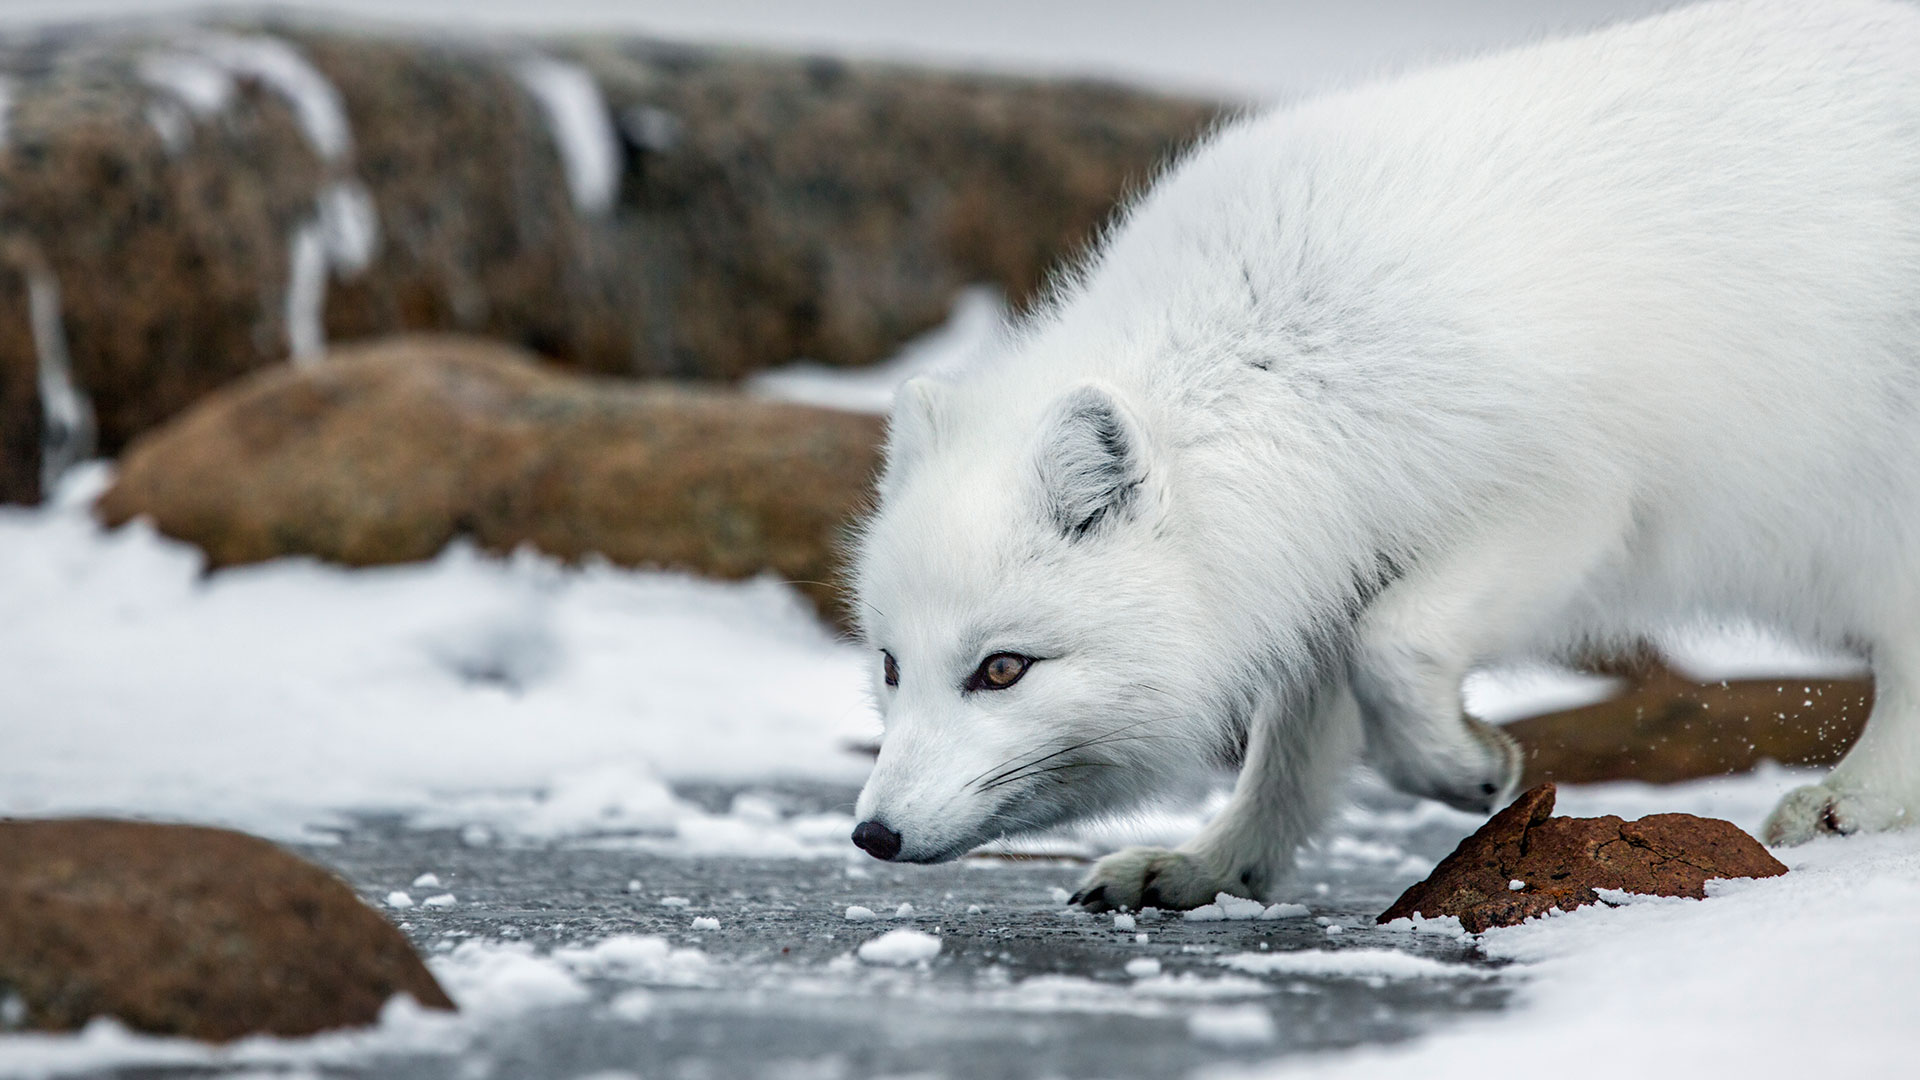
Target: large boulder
(1664, 727)
(385, 452)
(193, 203)
(1526, 862)
(179, 930)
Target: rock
(741, 209)
(386, 452)
(1561, 862)
(179, 930)
(1665, 728)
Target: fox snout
(876, 840)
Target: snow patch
(494, 980)
(897, 947)
(581, 127)
(1233, 1025)
(1226, 907)
(1349, 964)
(641, 958)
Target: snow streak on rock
(307, 291)
(316, 104)
(203, 86)
(66, 415)
(581, 126)
(6, 110)
(344, 234)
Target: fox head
(1023, 591)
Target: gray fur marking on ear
(1092, 461)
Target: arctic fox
(1539, 353)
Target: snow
(1349, 964)
(1811, 972)
(439, 900)
(581, 128)
(399, 900)
(66, 412)
(856, 913)
(705, 922)
(897, 947)
(495, 695)
(1122, 921)
(904, 911)
(1232, 1025)
(204, 87)
(974, 326)
(493, 980)
(1226, 907)
(349, 225)
(427, 881)
(1143, 967)
(306, 298)
(647, 958)
(279, 66)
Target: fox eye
(999, 671)
(892, 668)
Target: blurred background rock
(188, 203)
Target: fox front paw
(1154, 877)
(1818, 810)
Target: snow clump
(900, 947)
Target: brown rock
(1563, 861)
(179, 930)
(385, 452)
(769, 207)
(1665, 728)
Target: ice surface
(900, 947)
(581, 127)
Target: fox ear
(1092, 460)
(912, 427)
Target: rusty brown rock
(180, 930)
(768, 208)
(1564, 861)
(1664, 728)
(383, 453)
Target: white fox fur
(1539, 353)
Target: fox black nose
(876, 839)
